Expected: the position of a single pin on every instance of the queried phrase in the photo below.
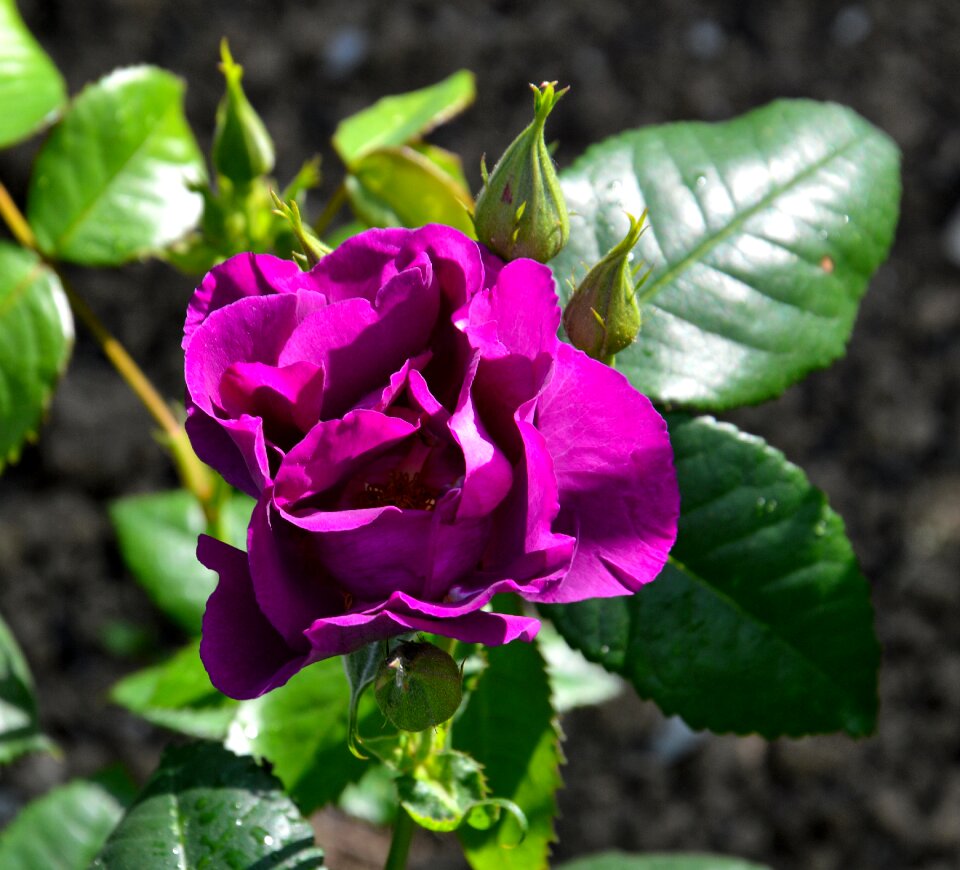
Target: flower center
(402, 490)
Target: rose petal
(235, 448)
(617, 483)
(240, 276)
(343, 634)
(243, 654)
(289, 581)
(334, 450)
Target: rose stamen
(402, 490)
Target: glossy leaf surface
(36, 337)
(763, 233)
(31, 88)
(403, 118)
(157, 534)
(205, 808)
(110, 184)
(761, 620)
(509, 727)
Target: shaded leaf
(177, 694)
(574, 682)
(206, 808)
(19, 730)
(31, 88)
(403, 118)
(110, 184)
(36, 337)
(157, 534)
(509, 727)
(763, 233)
(63, 830)
(762, 620)
(398, 187)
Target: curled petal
(240, 276)
(614, 469)
(243, 653)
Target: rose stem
(330, 210)
(400, 844)
(194, 475)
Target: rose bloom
(418, 440)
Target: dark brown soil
(880, 432)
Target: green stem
(400, 844)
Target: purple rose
(418, 440)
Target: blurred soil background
(879, 431)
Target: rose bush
(418, 440)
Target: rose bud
(602, 317)
(242, 147)
(521, 211)
(418, 686)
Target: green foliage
(300, 728)
(510, 728)
(400, 187)
(678, 861)
(36, 337)
(764, 232)
(574, 682)
(403, 118)
(64, 829)
(761, 621)
(31, 88)
(111, 182)
(440, 795)
(19, 730)
(206, 808)
(157, 534)
(177, 694)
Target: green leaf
(761, 621)
(301, 728)
(206, 808)
(403, 118)
(63, 830)
(441, 794)
(31, 88)
(398, 187)
(110, 184)
(763, 234)
(36, 337)
(177, 694)
(509, 727)
(157, 534)
(361, 667)
(678, 861)
(19, 731)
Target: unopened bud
(603, 317)
(418, 686)
(242, 147)
(521, 211)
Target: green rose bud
(602, 317)
(418, 686)
(242, 147)
(521, 211)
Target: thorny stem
(330, 210)
(194, 475)
(400, 844)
